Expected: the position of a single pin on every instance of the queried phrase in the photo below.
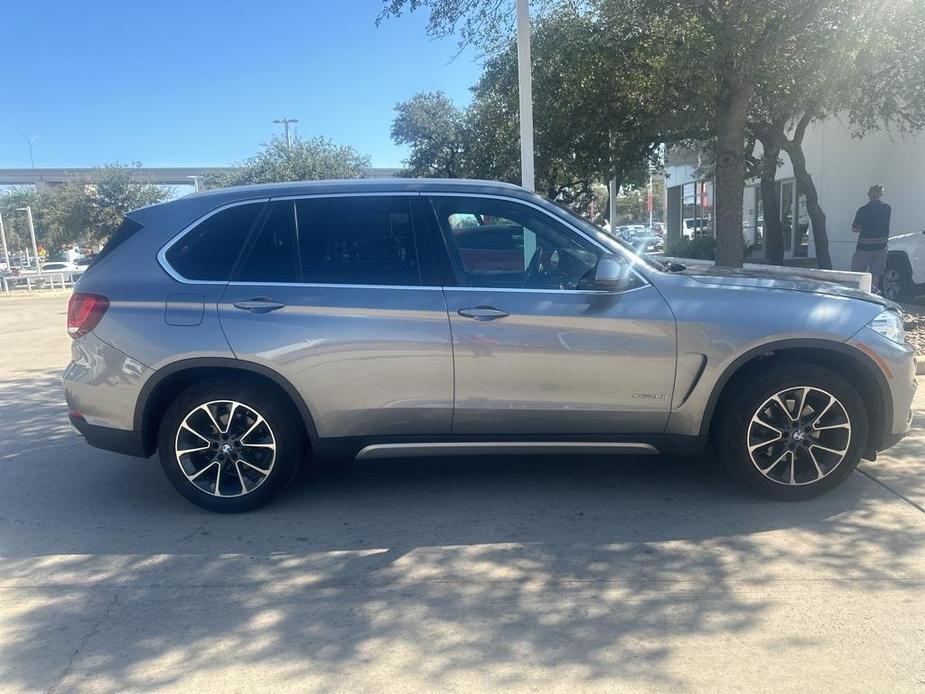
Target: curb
(919, 365)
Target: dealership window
(697, 210)
(801, 232)
(754, 234)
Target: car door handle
(483, 313)
(258, 305)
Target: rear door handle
(483, 313)
(259, 305)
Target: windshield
(613, 243)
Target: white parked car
(905, 267)
(62, 266)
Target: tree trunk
(730, 174)
(805, 185)
(770, 202)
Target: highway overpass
(163, 175)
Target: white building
(842, 168)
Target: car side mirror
(610, 274)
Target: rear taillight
(84, 312)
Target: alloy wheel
(891, 284)
(799, 435)
(225, 448)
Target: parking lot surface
(552, 574)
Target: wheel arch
(167, 382)
(901, 257)
(847, 361)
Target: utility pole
(285, 123)
(29, 141)
(525, 81)
(35, 248)
(6, 251)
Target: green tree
(435, 129)
(305, 160)
(596, 113)
(84, 210)
(857, 59)
(717, 45)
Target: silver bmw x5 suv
(241, 331)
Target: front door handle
(259, 305)
(483, 313)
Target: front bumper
(896, 364)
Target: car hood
(757, 279)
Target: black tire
(751, 392)
(896, 283)
(280, 449)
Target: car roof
(192, 206)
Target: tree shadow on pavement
(515, 568)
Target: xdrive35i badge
(651, 396)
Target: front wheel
(793, 431)
(230, 447)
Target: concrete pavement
(575, 574)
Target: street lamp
(35, 249)
(285, 123)
(195, 180)
(29, 141)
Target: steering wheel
(533, 269)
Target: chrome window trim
(162, 253)
(607, 251)
(162, 259)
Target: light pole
(6, 251)
(525, 81)
(29, 141)
(195, 180)
(285, 123)
(35, 249)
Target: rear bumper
(117, 440)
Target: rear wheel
(230, 447)
(793, 431)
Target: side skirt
(373, 448)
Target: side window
(357, 240)
(274, 255)
(503, 244)
(208, 251)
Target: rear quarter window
(208, 251)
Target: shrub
(702, 248)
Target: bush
(703, 248)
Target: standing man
(872, 225)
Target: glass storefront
(695, 217)
(697, 210)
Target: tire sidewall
(286, 427)
(905, 280)
(733, 440)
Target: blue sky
(199, 82)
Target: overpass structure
(162, 175)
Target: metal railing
(38, 281)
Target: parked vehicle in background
(905, 267)
(62, 266)
(238, 331)
(640, 238)
(692, 228)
